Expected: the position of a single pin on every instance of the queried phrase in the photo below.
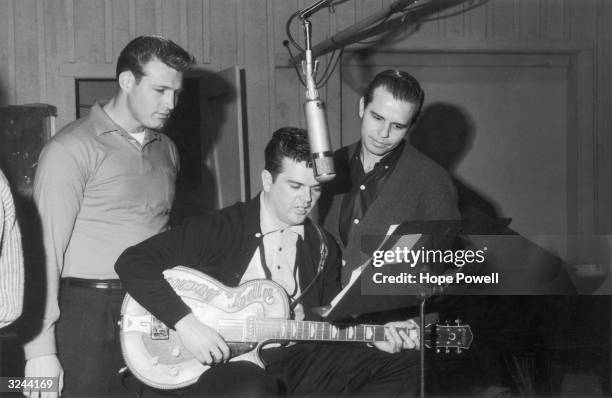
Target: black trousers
(88, 344)
(311, 369)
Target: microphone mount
(308, 11)
(309, 68)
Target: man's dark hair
(143, 49)
(402, 85)
(287, 142)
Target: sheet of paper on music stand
(352, 285)
(354, 300)
(357, 271)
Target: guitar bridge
(159, 331)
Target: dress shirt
(365, 187)
(98, 191)
(279, 242)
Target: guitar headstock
(449, 337)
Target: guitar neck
(317, 331)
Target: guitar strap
(323, 252)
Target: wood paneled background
(45, 44)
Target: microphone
(316, 122)
(318, 138)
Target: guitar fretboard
(311, 330)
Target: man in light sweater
(103, 183)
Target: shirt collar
(388, 159)
(102, 124)
(269, 223)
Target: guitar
(248, 317)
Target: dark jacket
(221, 245)
(418, 189)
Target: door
(209, 129)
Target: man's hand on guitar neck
(400, 335)
(203, 342)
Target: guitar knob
(155, 361)
(459, 351)
(438, 350)
(176, 352)
(447, 351)
(458, 321)
(174, 371)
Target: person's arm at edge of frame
(11, 258)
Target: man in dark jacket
(382, 180)
(268, 237)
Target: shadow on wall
(195, 129)
(445, 133)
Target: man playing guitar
(268, 237)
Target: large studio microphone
(316, 121)
(318, 138)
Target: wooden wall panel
(7, 52)
(504, 18)
(171, 24)
(454, 26)
(583, 19)
(552, 21)
(223, 26)
(477, 22)
(257, 65)
(145, 11)
(195, 29)
(605, 121)
(89, 32)
(120, 25)
(26, 52)
(54, 47)
(528, 19)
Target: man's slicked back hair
(402, 86)
(143, 49)
(287, 142)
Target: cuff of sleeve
(175, 316)
(43, 344)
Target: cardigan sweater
(220, 244)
